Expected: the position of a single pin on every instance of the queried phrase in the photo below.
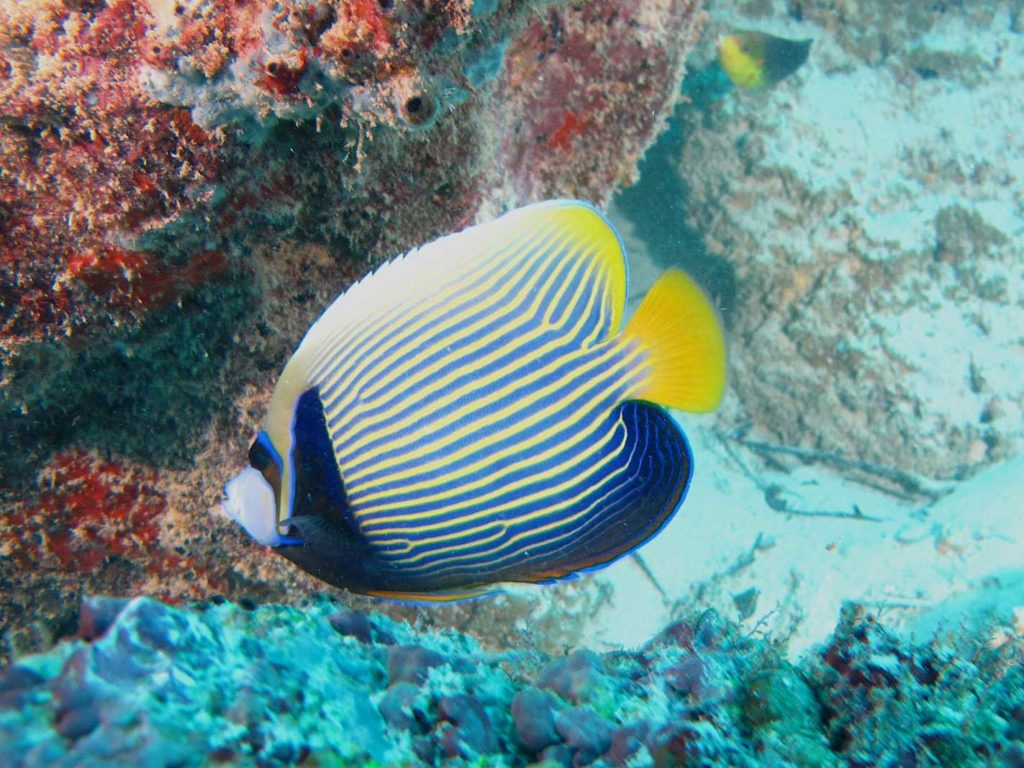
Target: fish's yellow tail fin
(680, 330)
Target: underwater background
(185, 186)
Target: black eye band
(259, 456)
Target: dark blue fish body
(473, 414)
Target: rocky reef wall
(186, 184)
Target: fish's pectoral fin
(679, 328)
(317, 531)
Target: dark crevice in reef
(146, 392)
(658, 205)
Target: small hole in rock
(419, 109)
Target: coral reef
(138, 136)
(185, 185)
(958, 706)
(871, 229)
(326, 685)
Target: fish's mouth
(249, 500)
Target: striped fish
(474, 413)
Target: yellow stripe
(368, 511)
(348, 378)
(459, 274)
(595, 469)
(400, 379)
(370, 528)
(350, 445)
(560, 521)
(443, 383)
(474, 559)
(588, 225)
(375, 359)
(441, 300)
(466, 393)
(364, 501)
(431, 597)
(444, 462)
(510, 436)
(406, 381)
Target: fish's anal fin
(442, 596)
(680, 330)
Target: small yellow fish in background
(759, 60)
(476, 412)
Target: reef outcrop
(185, 184)
(145, 683)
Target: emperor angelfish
(474, 413)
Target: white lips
(249, 501)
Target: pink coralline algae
(184, 184)
(590, 85)
(92, 515)
(126, 120)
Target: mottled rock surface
(873, 227)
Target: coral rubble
(146, 684)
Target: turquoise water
(187, 187)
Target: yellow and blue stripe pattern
(471, 413)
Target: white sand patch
(898, 558)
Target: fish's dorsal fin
(417, 276)
(583, 223)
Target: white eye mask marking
(249, 501)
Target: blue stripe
(540, 548)
(663, 468)
(503, 335)
(569, 468)
(380, 482)
(505, 367)
(639, 505)
(601, 397)
(395, 323)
